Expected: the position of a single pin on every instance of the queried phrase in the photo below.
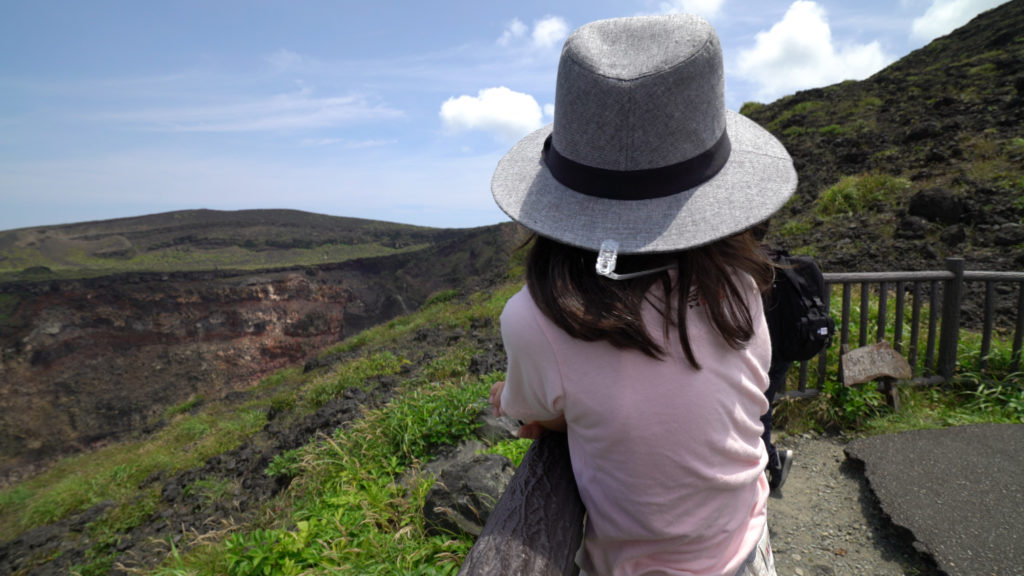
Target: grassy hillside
(190, 498)
(922, 161)
(418, 392)
(203, 240)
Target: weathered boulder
(937, 205)
(466, 490)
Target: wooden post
(952, 298)
(537, 525)
(1018, 333)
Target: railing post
(989, 323)
(952, 298)
(1018, 333)
(933, 318)
(865, 316)
(823, 356)
(883, 309)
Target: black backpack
(796, 308)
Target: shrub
(749, 108)
(355, 374)
(848, 407)
(832, 130)
(795, 228)
(440, 298)
(863, 193)
(794, 131)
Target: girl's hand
(495, 397)
(537, 428)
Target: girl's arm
(532, 429)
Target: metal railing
(943, 291)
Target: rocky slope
(932, 148)
(824, 521)
(83, 361)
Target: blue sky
(387, 110)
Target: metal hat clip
(607, 257)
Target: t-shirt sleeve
(533, 383)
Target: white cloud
(798, 53)
(507, 114)
(549, 32)
(515, 29)
(944, 16)
(705, 8)
(289, 111)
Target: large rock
(466, 490)
(937, 205)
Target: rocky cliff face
(84, 361)
(87, 360)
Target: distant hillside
(203, 240)
(105, 324)
(922, 161)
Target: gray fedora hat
(642, 151)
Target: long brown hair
(590, 307)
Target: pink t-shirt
(669, 460)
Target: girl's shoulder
(520, 302)
(520, 312)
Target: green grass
(184, 407)
(795, 228)
(795, 115)
(355, 374)
(8, 304)
(357, 497)
(832, 130)
(749, 108)
(355, 501)
(963, 403)
(859, 194)
(996, 162)
(113, 473)
(77, 262)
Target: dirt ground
(825, 521)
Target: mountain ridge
(204, 239)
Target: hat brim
(755, 182)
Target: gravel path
(826, 521)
